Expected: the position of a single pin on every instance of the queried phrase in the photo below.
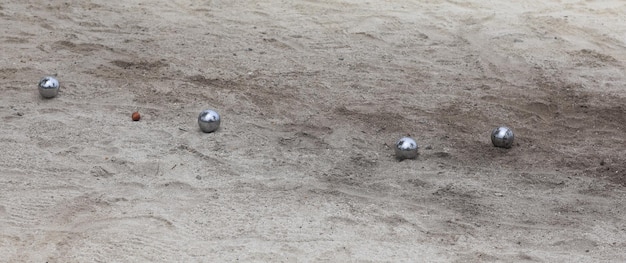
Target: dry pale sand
(312, 95)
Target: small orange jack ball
(136, 116)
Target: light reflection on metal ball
(502, 137)
(48, 87)
(209, 120)
(406, 148)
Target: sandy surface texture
(313, 96)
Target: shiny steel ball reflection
(406, 148)
(209, 121)
(502, 137)
(48, 87)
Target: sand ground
(312, 96)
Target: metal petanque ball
(48, 87)
(209, 121)
(502, 137)
(406, 148)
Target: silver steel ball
(48, 87)
(502, 137)
(209, 120)
(406, 148)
